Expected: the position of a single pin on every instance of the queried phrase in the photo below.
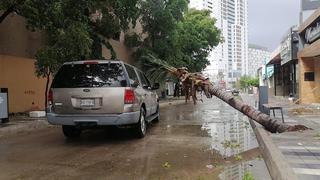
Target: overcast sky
(270, 19)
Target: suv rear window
(90, 75)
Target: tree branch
(7, 12)
(12, 8)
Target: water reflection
(231, 135)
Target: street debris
(166, 165)
(238, 157)
(210, 166)
(192, 82)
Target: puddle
(233, 138)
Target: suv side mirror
(155, 86)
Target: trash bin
(4, 108)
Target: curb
(277, 165)
(171, 103)
(24, 127)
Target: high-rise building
(257, 56)
(229, 60)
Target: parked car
(235, 92)
(228, 90)
(101, 93)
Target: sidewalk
(300, 149)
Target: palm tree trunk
(184, 76)
(270, 124)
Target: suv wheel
(71, 131)
(141, 128)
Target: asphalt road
(185, 144)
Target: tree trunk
(187, 78)
(270, 124)
(46, 92)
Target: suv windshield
(90, 75)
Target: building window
(309, 76)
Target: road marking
(304, 161)
(299, 147)
(307, 171)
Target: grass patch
(247, 176)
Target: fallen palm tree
(195, 81)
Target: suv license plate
(87, 102)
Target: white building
(228, 61)
(257, 56)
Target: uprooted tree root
(297, 128)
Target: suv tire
(141, 127)
(71, 131)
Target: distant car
(228, 90)
(101, 93)
(235, 92)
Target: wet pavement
(208, 141)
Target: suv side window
(132, 74)
(145, 82)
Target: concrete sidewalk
(301, 150)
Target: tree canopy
(176, 35)
(246, 81)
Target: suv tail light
(50, 97)
(129, 96)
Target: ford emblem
(86, 90)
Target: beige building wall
(309, 90)
(123, 53)
(17, 40)
(17, 74)
(309, 61)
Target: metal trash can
(263, 99)
(4, 105)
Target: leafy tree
(175, 36)
(246, 81)
(75, 29)
(198, 35)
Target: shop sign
(289, 46)
(285, 49)
(312, 33)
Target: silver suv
(101, 93)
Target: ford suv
(101, 93)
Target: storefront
(309, 59)
(288, 66)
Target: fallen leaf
(166, 165)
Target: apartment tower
(229, 60)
